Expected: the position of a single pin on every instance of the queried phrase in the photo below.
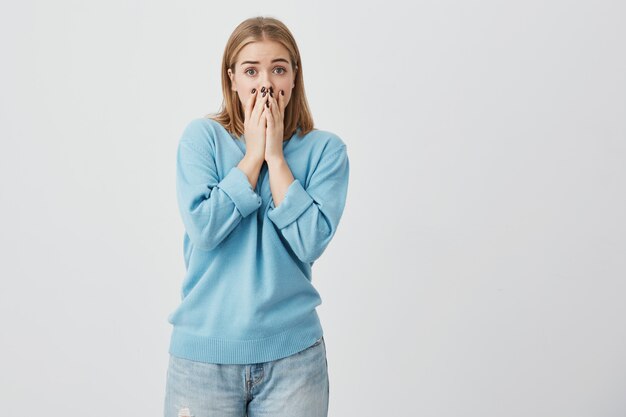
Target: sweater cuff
(295, 202)
(237, 186)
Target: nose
(265, 82)
(268, 87)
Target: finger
(268, 115)
(250, 103)
(264, 114)
(273, 107)
(269, 99)
(277, 105)
(260, 101)
(281, 102)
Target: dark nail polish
(253, 90)
(282, 93)
(264, 93)
(262, 89)
(271, 93)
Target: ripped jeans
(295, 386)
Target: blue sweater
(247, 295)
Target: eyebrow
(273, 60)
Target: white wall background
(479, 269)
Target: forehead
(263, 52)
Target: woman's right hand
(255, 126)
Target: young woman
(260, 192)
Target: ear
(232, 80)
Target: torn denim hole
(184, 412)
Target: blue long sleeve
(308, 217)
(210, 208)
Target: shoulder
(200, 126)
(201, 133)
(324, 143)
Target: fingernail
(267, 103)
(282, 93)
(262, 89)
(253, 90)
(264, 93)
(271, 93)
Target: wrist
(275, 160)
(255, 160)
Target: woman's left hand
(274, 116)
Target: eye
(277, 68)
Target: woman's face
(262, 64)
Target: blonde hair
(231, 114)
